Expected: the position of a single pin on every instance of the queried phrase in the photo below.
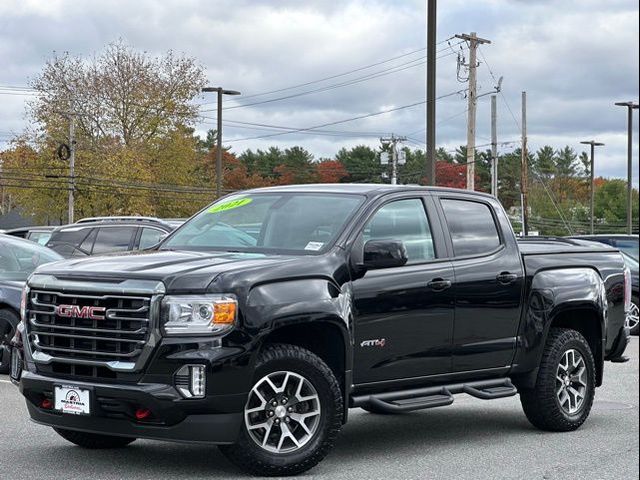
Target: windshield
(19, 258)
(270, 222)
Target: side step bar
(429, 397)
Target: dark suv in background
(98, 235)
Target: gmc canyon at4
(258, 323)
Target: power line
(359, 69)
(398, 68)
(337, 122)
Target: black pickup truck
(258, 323)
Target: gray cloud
(573, 61)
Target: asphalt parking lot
(470, 440)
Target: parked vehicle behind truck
(264, 318)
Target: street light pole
(630, 107)
(220, 91)
(593, 145)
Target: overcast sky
(574, 58)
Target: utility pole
(524, 169)
(494, 147)
(474, 41)
(220, 91)
(593, 145)
(392, 142)
(430, 173)
(72, 165)
(630, 107)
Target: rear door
(489, 279)
(404, 315)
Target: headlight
(198, 315)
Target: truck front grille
(88, 330)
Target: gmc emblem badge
(76, 311)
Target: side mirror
(384, 254)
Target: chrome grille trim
(122, 341)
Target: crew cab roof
(369, 189)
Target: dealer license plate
(73, 400)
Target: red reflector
(46, 403)
(142, 413)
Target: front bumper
(113, 407)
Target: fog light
(46, 404)
(190, 380)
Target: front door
(404, 315)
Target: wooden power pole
(474, 41)
(430, 167)
(524, 170)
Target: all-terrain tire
(8, 318)
(542, 404)
(251, 457)
(93, 441)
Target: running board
(429, 397)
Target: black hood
(178, 270)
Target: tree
(135, 150)
(566, 162)
(120, 93)
(362, 162)
(297, 167)
(544, 162)
(451, 175)
(585, 162)
(330, 171)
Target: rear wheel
(93, 441)
(8, 319)
(292, 416)
(563, 395)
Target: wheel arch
(570, 298)
(327, 338)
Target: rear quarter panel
(558, 282)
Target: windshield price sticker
(314, 246)
(72, 400)
(223, 207)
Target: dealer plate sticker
(72, 400)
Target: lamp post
(593, 144)
(221, 91)
(630, 107)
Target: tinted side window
(472, 227)
(72, 236)
(149, 237)
(404, 220)
(113, 239)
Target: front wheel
(93, 441)
(292, 416)
(563, 395)
(7, 320)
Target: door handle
(505, 278)
(439, 284)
